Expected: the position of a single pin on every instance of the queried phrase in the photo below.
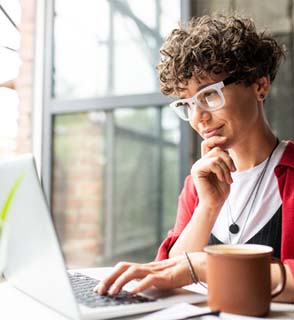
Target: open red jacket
(284, 171)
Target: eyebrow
(199, 88)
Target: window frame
(53, 107)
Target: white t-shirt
(265, 205)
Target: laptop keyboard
(83, 290)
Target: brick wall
(77, 188)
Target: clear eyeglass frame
(210, 98)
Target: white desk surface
(16, 305)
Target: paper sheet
(176, 312)
(184, 310)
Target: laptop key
(83, 290)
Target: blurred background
(79, 89)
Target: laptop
(34, 263)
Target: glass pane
(9, 35)
(135, 197)
(115, 187)
(136, 182)
(171, 167)
(9, 102)
(9, 41)
(132, 119)
(171, 182)
(78, 187)
(112, 47)
(146, 181)
(170, 125)
(9, 65)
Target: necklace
(234, 227)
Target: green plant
(4, 211)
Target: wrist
(198, 262)
(211, 212)
(192, 272)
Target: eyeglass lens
(209, 99)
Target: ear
(261, 87)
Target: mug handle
(281, 285)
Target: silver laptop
(34, 263)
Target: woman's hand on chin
(211, 174)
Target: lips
(207, 133)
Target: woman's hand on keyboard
(166, 274)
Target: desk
(16, 305)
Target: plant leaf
(9, 198)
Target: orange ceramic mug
(238, 278)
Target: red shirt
(284, 171)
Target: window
(111, 153)
(9, 66)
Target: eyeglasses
(209, 98)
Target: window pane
(79, 185)
(170, 125)
(111, 48)
(9, 41)
(171, 181)
(145, 166)
(115, 183)
(132, 119)
(9, 35)
(135, 195)
(9, 102)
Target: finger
(145, 283)
(221, 170)
(134, 272)
(226, 173)
(218, 171)
(140, 271)
(104, 284)
(211, 143)
(219, 152)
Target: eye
(208, 95)
(186, 105)
(182, 105)
(213, 99)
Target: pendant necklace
(234, 228)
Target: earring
(262, 96)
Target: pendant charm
(234, 228)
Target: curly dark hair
(212, 45)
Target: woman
(241, 189)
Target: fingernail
(99, 288)
(233, 168)
(113, 290)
